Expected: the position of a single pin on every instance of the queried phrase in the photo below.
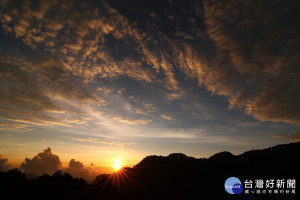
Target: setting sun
(117, 166)
(163, 99)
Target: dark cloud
(4, 165)
(73, 164)
(90, 38)
(76, 44)
(245, 50)
(29, 90)
(19, 88)
(22, 97)
(77, 169)
(257, 63)
(47, 163)
(43, 163)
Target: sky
(101, 82)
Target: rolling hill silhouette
(176, 176)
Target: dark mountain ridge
(283, 152)
(176, 176)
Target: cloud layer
(69, 63)
(257, 60)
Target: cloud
(4, 165)
(70, 54)
(257, 57)
(246, 50)
(174, 96)
(142, 108)
(294, 137)
(148, 107)
(40, 92)
(280, 135)
(95, 42)
(18, 88)
(81, 38)
(77, 170)
(167, 117)
(132, 121)
(13, 127)
(43, 163)
(89, 140)
(47, 163)
(40, 123)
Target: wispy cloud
(132, 121)
(40, 122)
(167, 117)
(294, 137)
(248, 69)
(280, 135)
(89, 140)
(13, 127)
(95, 64)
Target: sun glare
(117, 166)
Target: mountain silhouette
(178, 176)
(173, 161)
(175, 176)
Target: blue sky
(104, 80)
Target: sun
(117, 166)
